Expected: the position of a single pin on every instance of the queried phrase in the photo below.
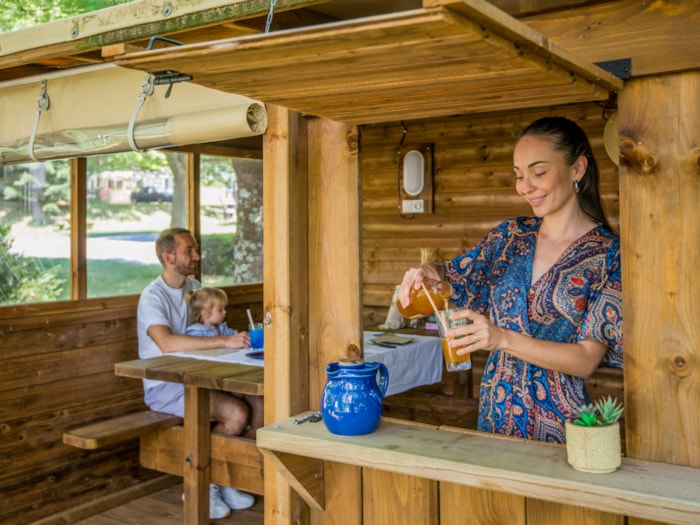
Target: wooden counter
(653, 491)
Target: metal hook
(42, 103)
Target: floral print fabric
(578, 298)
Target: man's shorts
(166, 397)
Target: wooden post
(285, 293)
(335, 284)
(658, 121)
(335, 261)
(78, 228)
(197, 466)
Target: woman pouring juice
(433, 297)
(543, 293)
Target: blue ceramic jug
(352, 399)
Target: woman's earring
(576, 186)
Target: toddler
(208, 306)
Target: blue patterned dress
(578, 298)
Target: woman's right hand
(412, 280)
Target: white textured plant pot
(593, 449)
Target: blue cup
(256, 336)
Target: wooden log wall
(58, 373)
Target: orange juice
(454, 362)
(420, 305)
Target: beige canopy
(89, 112)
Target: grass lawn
(107, 278)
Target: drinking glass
(453, 362)
(256, 336)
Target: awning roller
(90, 111)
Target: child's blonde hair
(204, 299)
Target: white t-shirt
(160, 304)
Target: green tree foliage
(23, 280)
(19, 14)
(41, 190)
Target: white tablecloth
(225, 355)
(410, 365)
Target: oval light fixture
(413, 172)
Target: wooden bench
(119, 429)
(235, 461)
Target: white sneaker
(236, 499)
(217, 508)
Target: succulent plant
(605, 411)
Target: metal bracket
(147, 88)
(169, 77)
(621, 68)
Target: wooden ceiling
(87, 39)
(416, 64)
(390, 61)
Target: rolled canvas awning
(89, 113)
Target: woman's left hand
(480, 334)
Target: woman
(543, 292)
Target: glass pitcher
(439, 293)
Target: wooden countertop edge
(644, 489)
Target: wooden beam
(128, 22)
(78, 228)
(285, 301)
(235, 461)
(305, 475)
(660, 227)
(197, 469)
(658, 37)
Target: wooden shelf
(644, 489)
(431, 62)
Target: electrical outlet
(413, 206)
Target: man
(162, 317)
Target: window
(35, 232)
(130, 200)
(231, 220)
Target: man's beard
(184, 269)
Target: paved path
(136, 247)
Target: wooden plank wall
(58, 373)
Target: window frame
(78, 216)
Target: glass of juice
(453, 362)
(420, 305)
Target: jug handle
(383, 378)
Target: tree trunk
(248, 243)
(178, 165)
